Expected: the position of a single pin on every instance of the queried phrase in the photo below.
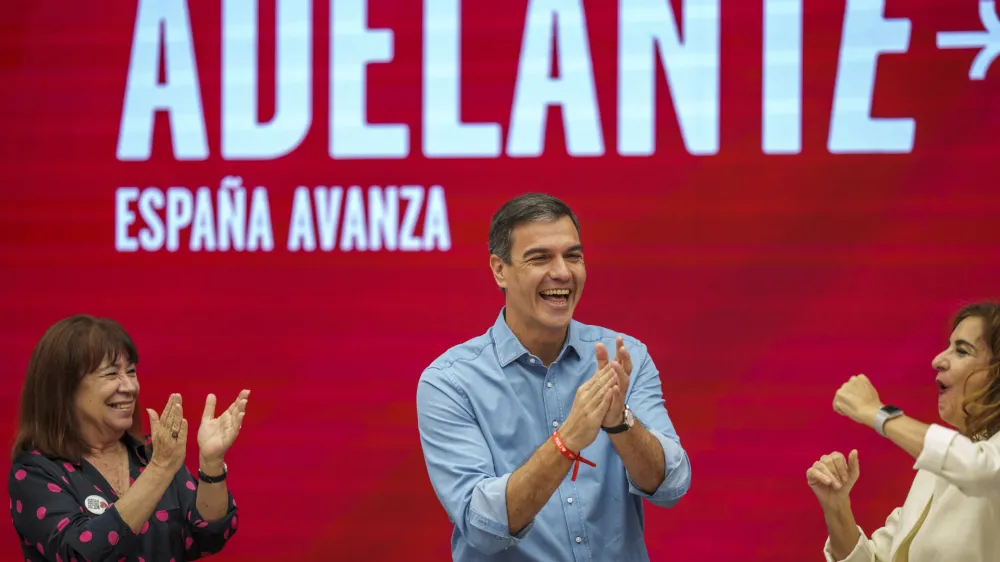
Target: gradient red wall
(760, 281)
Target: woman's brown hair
(68, 351)
(982, 408)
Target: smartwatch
(625, 426)
(885, 414)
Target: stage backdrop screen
(294, 197)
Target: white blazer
(961, 480)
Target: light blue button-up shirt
(485, 406)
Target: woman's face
(961, 370)
(106, 399)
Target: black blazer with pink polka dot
(64, 512)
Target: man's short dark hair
(529, 207)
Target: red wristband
(577, 459)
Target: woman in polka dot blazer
(86, 484)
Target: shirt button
(555, 423)
(569, 500)
(579, 540)
(548, 384)
(532, 360)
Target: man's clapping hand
(591, 405)
(623, 368)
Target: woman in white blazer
(952, 511)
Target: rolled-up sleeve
(202, 538)
(646, 401)
(51, 519)
(460, 465)
(869, 550)
(973, 467)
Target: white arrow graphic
(988, 41)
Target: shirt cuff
(937, 441)
(209, 537)
(105, 536)
(488, 510)
(219, 526)
(859, 554)
(126, 537)
(677, 477)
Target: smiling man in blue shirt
(504, 417)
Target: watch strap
(615, 429)
(213, 479)
(624, 426)
(885, 413)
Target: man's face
(545, 278)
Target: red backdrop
(760, 278)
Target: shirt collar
(140, 448)
(509, 348)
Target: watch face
(891, 410)
(629, 418)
